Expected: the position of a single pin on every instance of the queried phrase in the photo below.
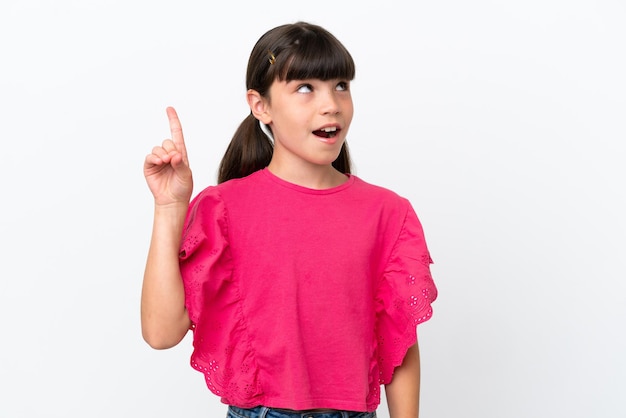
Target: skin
(403, 392)
(164, 320)
(294, 111)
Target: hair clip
(272, 58)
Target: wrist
(171, 215)
(171, 207)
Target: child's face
(310, 119)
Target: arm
(404, 390)
(164, 320)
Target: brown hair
(295, 51)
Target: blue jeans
(264, 412)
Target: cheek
(348, 106)
(348, 113)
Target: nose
(330, 104)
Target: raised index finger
(177, 132)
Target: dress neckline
(302, 189)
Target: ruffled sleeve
(204, 257)
(212, 300)
(404, 297)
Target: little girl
(302, 284)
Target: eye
(343, 86)
(305, 88)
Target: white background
(502, 121)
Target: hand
(167, 170)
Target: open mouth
(330, 132)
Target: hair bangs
(315, 56)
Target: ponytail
(249, 150)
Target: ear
(258, 106)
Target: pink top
(303, 298)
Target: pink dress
(303, 298)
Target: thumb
(180, 166)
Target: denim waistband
(265, 412)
